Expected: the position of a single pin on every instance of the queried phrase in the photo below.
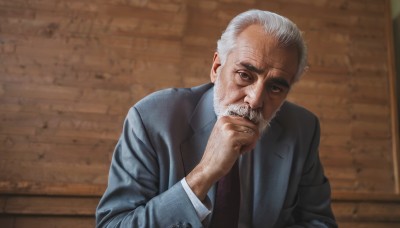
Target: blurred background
(71, 69)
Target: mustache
(254, 115)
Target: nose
(255, 95)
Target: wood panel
(46, 221)
(353, 101)
(70, 70)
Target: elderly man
(231, 153)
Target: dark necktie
(227, 201)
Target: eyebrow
(280, 81)
(250, 67)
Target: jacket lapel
(202, 122)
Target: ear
(215, 67)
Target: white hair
(281, 28)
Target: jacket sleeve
(313, 208)
(133, 198)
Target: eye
(245, 76)
(275, 89)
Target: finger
(249, 131)
(245, 130)
(236, 128)
(246, 138)
(241, 121)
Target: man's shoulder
(296, 121)
(296, 109)
(168, 110)
(170, 106)
(173, 96)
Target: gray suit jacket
(164, 137)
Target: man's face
(255, 78)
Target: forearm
(164, 210)
(200, 181)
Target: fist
(230, 137)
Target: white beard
(243, 110)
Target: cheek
(232, 97)
(232, 94)
(237, 95)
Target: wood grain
(71, 69)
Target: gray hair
(284, 30)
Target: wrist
(200, 181)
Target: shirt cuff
(202, 210)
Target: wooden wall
(70, 69)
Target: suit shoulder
(169, 107)
(171, 97)
(297, 109)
